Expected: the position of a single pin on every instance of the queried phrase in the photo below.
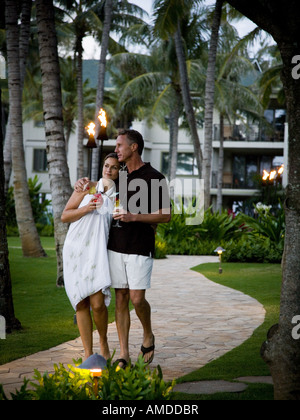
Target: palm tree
(31, 244)
(169, 15)
(118, 17)
(54, 129)
(23, 53)
(108, 8)
(6, 299)
(79, 12)
(233, 100)
(148, 87)
(209, 101)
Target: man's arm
(161, 216)
(82, 184)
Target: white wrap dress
(85, 260)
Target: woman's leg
(100, 314)
(85, 326)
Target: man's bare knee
(138, 298)
(122, 298)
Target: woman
(86, 268)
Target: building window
(247, 170)
(186, 164)
(39, 160)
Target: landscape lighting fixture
(220, 251)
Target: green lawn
(44, 310)
(262, 282)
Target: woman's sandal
(146, 350)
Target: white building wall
(156, 143)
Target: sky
(92, 49)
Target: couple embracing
(100, 253)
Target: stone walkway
(194, 321)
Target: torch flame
(273, 175)
(91, 129)
(265, 175)
(102, 118)
(281, 170)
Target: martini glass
(117, 206)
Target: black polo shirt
(143, 191)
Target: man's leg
(123, 321)
(143, 311)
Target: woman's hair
(111, 155)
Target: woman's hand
(95, 203)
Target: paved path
(194, 321)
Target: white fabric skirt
(85, 258)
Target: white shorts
(130, 271)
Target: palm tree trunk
(23, 51)
(80, 163)
(24, 37)
(209, 101)
(282, 350)
(186, 96)
(6, 298)
(53, 117)
(221, 166)
(7, 157)
(31, 244)
(108, 7)
(174, 129)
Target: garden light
(94, 364)
(220, 251)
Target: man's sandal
(124, 363)
(146, 350)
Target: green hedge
(244, 238)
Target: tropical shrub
(161, 248)
(267, 225)
(202, 239)
(251, 249)
(42, 217)
(245, 239)
(136, 382)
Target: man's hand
(162, 216)
(81, 185)
(123, 216)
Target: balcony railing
(250, 133)
(232, 183)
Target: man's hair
(133, 136)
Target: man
(145, 203)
